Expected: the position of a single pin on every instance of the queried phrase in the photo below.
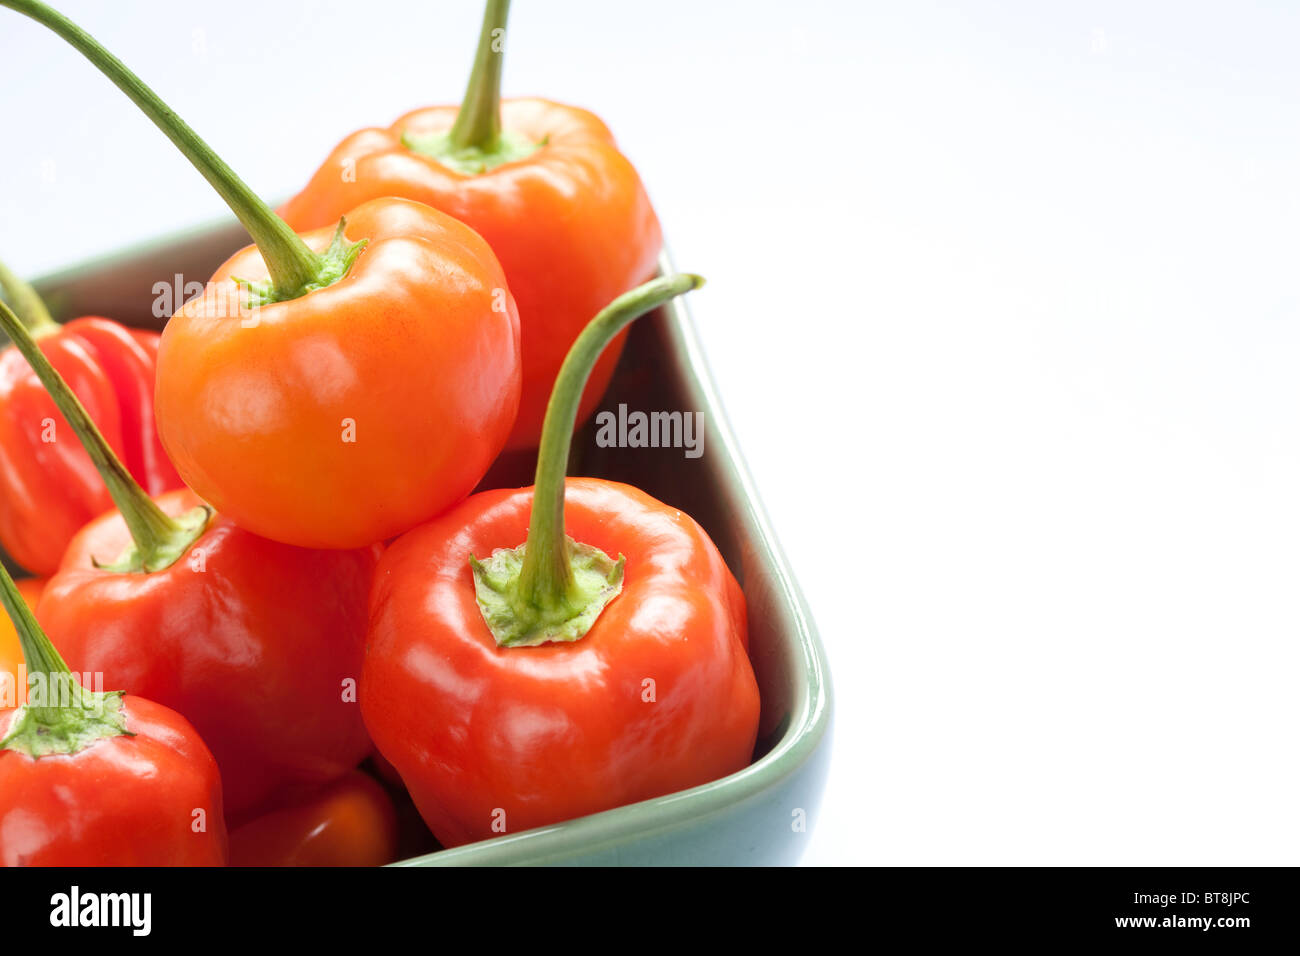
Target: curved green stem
(546, 573)
(294, 268)
(26, 302)
(478, 124)
(38, 653)
(61, 716)
(159, 539)
(552, 588)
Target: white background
(1003, 306)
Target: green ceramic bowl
(764, 813)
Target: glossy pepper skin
(49, 489)
(349, 823)
(571, 223)
(352, 413)
(548, 733)
(249, 639)
(122, 801)
(13, 684)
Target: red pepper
(259, 644)
(349, 823)
(100, 779)
(542, 182)
(48, 488)
(292, 394)
(261, 649)
(514, 686)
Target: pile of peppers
(280, 584)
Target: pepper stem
(476, 142)
(26, 302)
(38, 653)
(552, 588)
(294, 268)
(478, 124)
(159, 539)
(60, 715)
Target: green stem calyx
(552, 588)
(60, 716)
(158, 539)
(476, 142)
(295, 269)
(26, 303)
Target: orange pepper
(349, 823)
(543, 183)
(355, 412)
(13, 675)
